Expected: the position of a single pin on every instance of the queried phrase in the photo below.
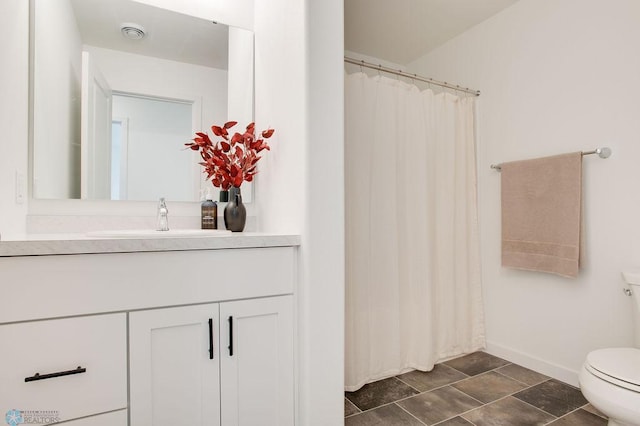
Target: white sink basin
(151, 233)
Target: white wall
(238, 13)
(165, 78)
(57, 82)
(144, 75)
(155, 162)
(372, 60)
(240, 78)
(299, 92)
(323, 234)
(206, 87)
(557, 76)
(14, 33)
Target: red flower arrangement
(230, 161)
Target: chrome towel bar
(603, 152)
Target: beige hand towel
(541, 201)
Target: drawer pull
(231, 336)
(39, 376)
(210, 338)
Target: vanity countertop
(55, 244)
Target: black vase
(235, 214)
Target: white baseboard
(547, 368)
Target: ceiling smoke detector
(132, 31)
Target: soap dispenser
(163, 216)
(209, 211)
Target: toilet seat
(619, 366)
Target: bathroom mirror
(118, 87)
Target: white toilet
(610, 378)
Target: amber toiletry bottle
(209, 214)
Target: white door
(257, 362)
(95, 145)
(175, 366)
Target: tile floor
(477, 389)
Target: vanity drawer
(68, 368)
(116, 282)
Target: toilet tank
(633, 279)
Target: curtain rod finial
(603, 152)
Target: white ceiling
(170, 35)
(401, 31)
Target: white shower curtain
(413, 293)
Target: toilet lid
(620, 366)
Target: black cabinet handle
(231, 336)
(210, 338)
(39, 376)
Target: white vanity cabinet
(229, 363)
(150, 338)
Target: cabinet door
(257, 362)
(174, 374)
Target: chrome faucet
(163, 216)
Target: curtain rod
(411, 76)
(602, 153)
